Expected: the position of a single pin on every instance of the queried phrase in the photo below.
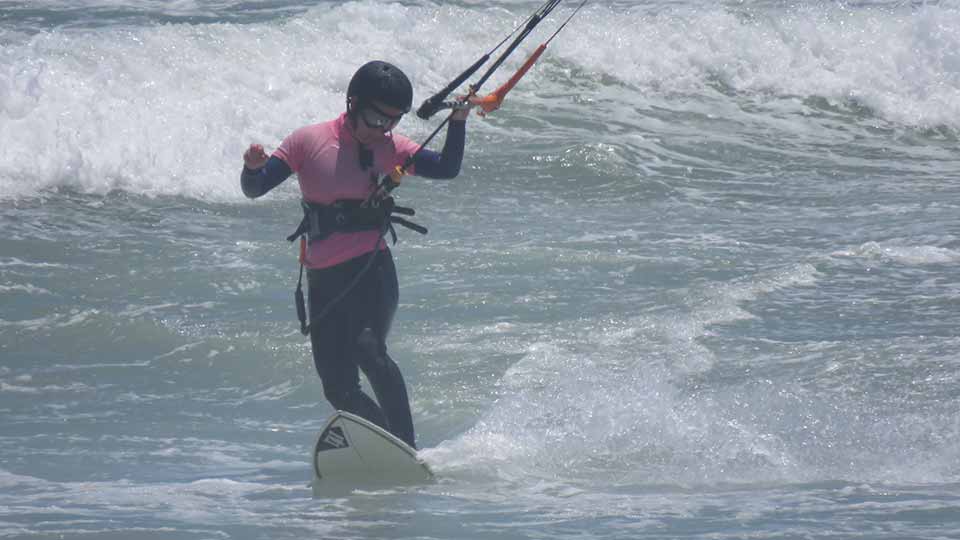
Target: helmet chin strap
(351, 110)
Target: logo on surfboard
(332, 439)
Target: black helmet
(381, 81)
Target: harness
(345, 216)
(352, 215)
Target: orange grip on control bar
(493, 100)
(397, 174)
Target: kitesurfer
(352, 281)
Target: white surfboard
(353, 453)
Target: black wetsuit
(351, 335)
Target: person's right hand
(255, 158)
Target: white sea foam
(169, 109)
(73, 317)
(15, 262)
(201, 503)
(24, 388)
(27, 288)
(903, 62)
(909, 255)
(636, 416)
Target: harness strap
(408, 224)
(301, 305)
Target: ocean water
(697, 279)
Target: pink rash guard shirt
(325, 158)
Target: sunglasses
(375, 118)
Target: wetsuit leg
(333, 340)
(381, 371)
